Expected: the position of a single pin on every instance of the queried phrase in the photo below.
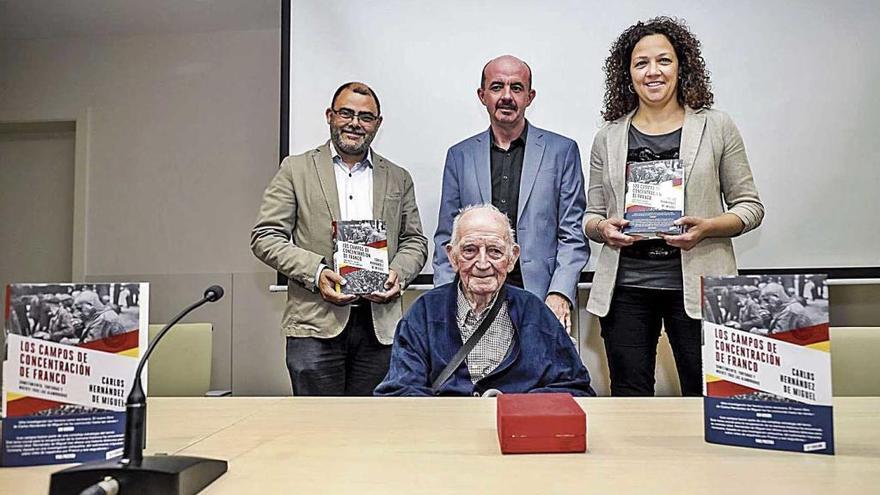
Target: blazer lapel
(482, 167)
(327, 179)
(380, 184)
(618, 141)
(534, 152)
(691, 134)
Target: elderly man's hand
(561, 308)
(327, 285)
(392, 290)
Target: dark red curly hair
(694, 86)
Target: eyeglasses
(347, 115)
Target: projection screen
(798, 78)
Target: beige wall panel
(184, 138)
(36, 204)
(854, 305)
(258, 347)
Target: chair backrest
(181, 364)
(855, 361)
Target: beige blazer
(717, 178)
(302, 199)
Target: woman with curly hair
(657, 101)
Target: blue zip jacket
(542, 357)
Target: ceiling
(34, 19)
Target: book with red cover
(360, 255)
(540, 423)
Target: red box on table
(540, 423)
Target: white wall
(798, 77)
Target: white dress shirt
(354, 188)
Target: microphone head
(213, 293)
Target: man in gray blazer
(533, 176)
(339, 344)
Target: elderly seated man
(524, 347)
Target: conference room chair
(855, 361)
(181, 364)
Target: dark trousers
(631, 331)
(352, 363)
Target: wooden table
(449, 446)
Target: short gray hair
(487, 207)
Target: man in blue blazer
(533, 176)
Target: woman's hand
(696, 229)
(610, 230)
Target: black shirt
(651, 263)
(506, 168)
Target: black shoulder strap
(469, 345)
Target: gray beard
(348, 149)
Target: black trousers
(631, 331)
(352, 363)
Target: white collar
(334, 154)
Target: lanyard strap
(469, 345)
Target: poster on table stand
(71, 354)
(767, 362)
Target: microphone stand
(136, 474)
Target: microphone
(166, 474)
(213, 293)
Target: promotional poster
(71, 354)
(767, 362)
